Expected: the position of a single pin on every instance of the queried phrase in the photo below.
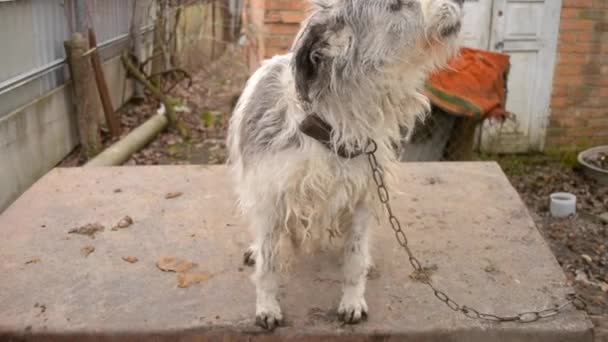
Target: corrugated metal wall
(32, 33)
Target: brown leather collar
(318, 129)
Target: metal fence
(32, 33)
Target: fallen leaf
(184, 280)
(587, 258)
(33, 261)
(130, 259)
(172, 195)
(424, 274)
(171, 264)
(86, 250)
(89, 229)
(42, 308)
(124, 223)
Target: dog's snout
(459, 2)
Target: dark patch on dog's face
(396, 6)
(309, 57)
(449, 31)
(351, 39)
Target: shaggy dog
(359, 66)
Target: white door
(477, 24)
(527, 30)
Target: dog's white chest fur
(314, 195)
(322, 195)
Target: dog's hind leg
(266, 276)
(353, 307)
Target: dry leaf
(124, 223)
(89, 229)
(33, 261)
(172, 195)
(42, 308)
(587, 258)
(86, 250)
(171, 264)
(130, 259)
(424, 274)
(184, 280)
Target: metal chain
(524, 317)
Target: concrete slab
(465, 218)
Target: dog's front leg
(353, 307)
(266, 277)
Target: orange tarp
(472, 85)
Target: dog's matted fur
(360, 66)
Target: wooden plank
(102, 87)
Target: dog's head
(345, 39)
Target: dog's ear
(309, 57)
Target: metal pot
(592, 171)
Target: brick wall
(579, 115)
(274, 24)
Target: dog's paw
(269, 316)
(249, 257)
(352, 310)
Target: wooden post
(167, 35)
(139, 7)
(228, 23)
(84, 93)
(159, 47)
(213, 25)
(102, 87)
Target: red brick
(560, 91)
(572, 58)
(286, 4)
(587, 47)
(289, 17)
(577, 25)
(291, 29)
(577, 3)
(569, 36)
(273, 51)
(570, 13)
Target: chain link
(524, 317)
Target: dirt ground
(580, 243)
(206, 105)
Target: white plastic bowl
(563, 204)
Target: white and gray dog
(359, 67)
